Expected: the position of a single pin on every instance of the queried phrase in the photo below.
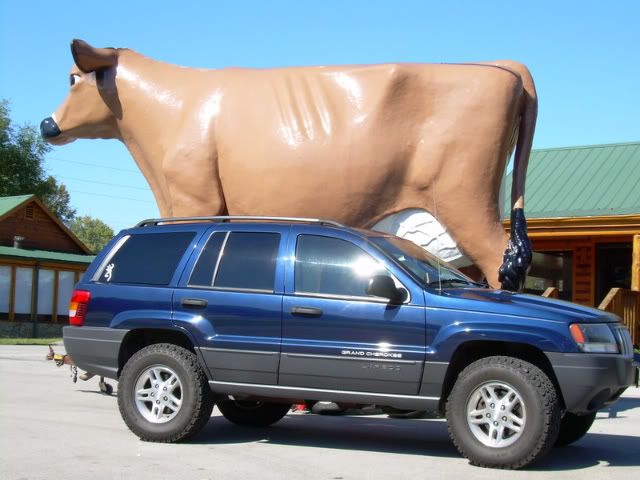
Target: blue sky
(584, 56)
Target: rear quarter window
(238, 261)
(149, 259)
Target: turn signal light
(78, 307)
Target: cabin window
(551, 269)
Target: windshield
(423, 265)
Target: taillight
(78, 307)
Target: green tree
(22, 152)
(94, 233)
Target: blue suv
(254, 314)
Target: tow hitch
(65, 359)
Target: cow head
(92, 106)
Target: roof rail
(229, 218)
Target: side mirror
(383, 286)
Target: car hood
(502, 302)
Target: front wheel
(574, 427)
(503, 412)
(248, 413)
(163, 394)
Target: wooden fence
(626, 304)
(551, 292)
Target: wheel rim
(158, 394)
(496, 414)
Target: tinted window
(203, 272)
(333, 266)
(149, 259)
(248, 261)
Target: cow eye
(73, 78)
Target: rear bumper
(590, 381)
(94, 349)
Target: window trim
(232, 289)
(335, 296)
(218, 259)
(372, 298)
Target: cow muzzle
(49, 128)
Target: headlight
(594, 337)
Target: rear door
(335, 335)
(230, 298)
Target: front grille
(623, 337)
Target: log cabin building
(583, 211)
(40, 262)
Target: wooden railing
(626, 304)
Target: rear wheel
(163, 394)
(503, 412)
(574, 427)
(248, 413)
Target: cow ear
(89, 59)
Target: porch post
(635, 264)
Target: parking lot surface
(51, 428)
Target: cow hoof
(517, 256)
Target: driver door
(335, 335)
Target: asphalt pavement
(51, 428)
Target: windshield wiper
(446, 282)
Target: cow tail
(517, 257)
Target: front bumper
(591, 381)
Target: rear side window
(238, 261)
(149, 259)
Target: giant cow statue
(356, 144)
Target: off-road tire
(540, 400)
(252, 413)
(197, 399)
(574, 427)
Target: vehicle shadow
(384, 435)
(622, 404)
(593, 449)
(410, 437)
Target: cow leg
(193, 183)
(518, 255)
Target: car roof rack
(229, 218)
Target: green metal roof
(44, 255)
(9, 203)
(584, 181)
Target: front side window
(149, 259)
(432, 272)
(331, 266)
(238, 261)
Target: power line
(106, 183)
(111, 196)
(94, 165)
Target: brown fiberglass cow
(351, 143)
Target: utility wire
(111, 196)
(130, 170)
(106, 183)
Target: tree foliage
(22, 152)
(94, 233)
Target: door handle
(194, 302)
(306, 311)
